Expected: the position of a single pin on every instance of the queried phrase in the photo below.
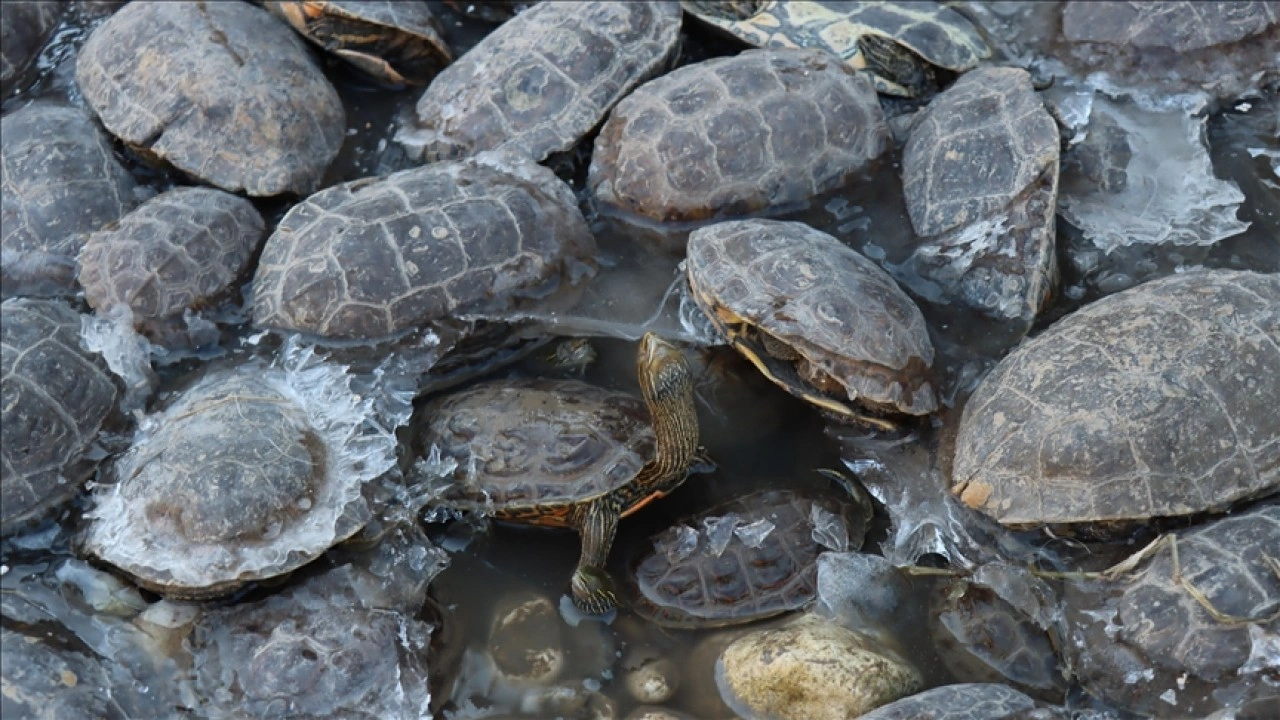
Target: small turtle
(248, 474)
(397, 42)
(366, 259)
(1156, 401)
(817, 318)
(544, 79)
(56, 396)
(980, 176)
(726, 137)
(60, 181)
(24, 27)
(561, 453)
(764, 563)
(898, 43)
(220, 90)
(176, 251)
(964, 701)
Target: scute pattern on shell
(964, 701)
(731, 136)
(375, 256)
(977, 147)
(1156, 401)
(59, 181)
(175, 251)
(834, 306)
(545, 78)
(220, 90)
(55, 397)
(1179, 26)
(526, 443)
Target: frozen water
(719, 532)
(1264, 650)
(127, 353)
(681, 546)
(753, 534)
(829, 529)
(860, 591)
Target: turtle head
(593, 591)
(662, 368)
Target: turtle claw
(593, 591)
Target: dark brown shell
(522, 444)
(59, 181)
(372, 257)
(24, 27)
(1156, 401)
(220, 90)
(731, 136)
(56, 396)
(545, 78)
(175, 251)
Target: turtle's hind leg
(597, 522)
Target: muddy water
(757, 434)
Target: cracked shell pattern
(1179, 26)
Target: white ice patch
(127, 353)
(754, 534)
(829, 529)
(1264, 651)
(719, 532)
(681, 547)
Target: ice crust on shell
(127, 353)
(1172, 195)
(359, 449)
(1264, 650)
(754, 534)
(860, 591)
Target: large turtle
(897, 43)
(726, 137)
(567, 454)
(764, 563)
(220, 90)
(60, 180)
(1156, 401)
(24, 27)
(398, 42)
(814, 316)
(56, 396)
(373, 257)
(544, 79)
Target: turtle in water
(1157, 401)
(56, 396)
(397, 42)
(745, 560)
(221, 91)
(817, 318)
(897, 43)
(561, 453)
(25, 25)
(962, 701)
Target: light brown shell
(1156, 401)
(731, 136)
(835, 307)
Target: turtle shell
(376, 256)
(680, 583)
(1156, 401)
(545, 78)
(1180, 26)
(962, 701)
(44, 680)
(838, 310)
(175, 251)
(534, 445)
(221, 91)
(24, 28)
(766, 129)
(60, 181)
(56, 395)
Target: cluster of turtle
(343, 355)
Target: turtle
(815, 317)
(400, 43)
(562, 453)
(25, 25)
(43, 681)
(897, 43)
(484, 236)
(61, 180)
(1191, 620)
(179, 250)
(1179, 26)
(765, 130)
(56, 397)
(1153, 402)
(962, 701)
(221, 91)
(980, 177)
(249, 473)
(543, 80)
(764, 563)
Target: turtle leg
(597, 522)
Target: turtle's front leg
(597, 522)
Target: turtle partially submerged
(1157, 401)
(963, 701)
(397, 42)
(897, 43)
(561, 453)
(817, 318)
(763, 562)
